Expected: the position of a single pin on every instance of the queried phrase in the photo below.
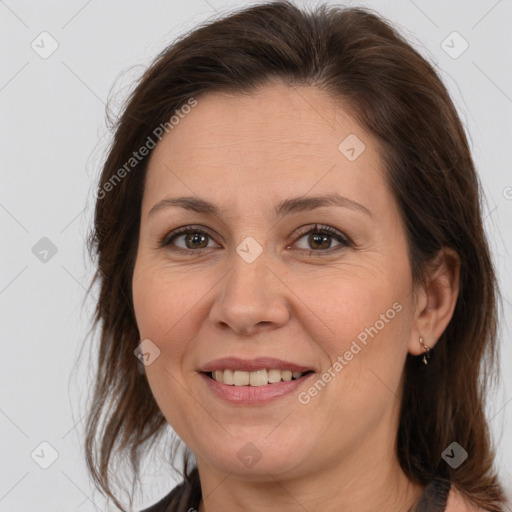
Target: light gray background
(53, 138)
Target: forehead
(275, 116)
(281, 139)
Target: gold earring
(426, 355)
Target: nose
(251, 298)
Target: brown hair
(396, 94)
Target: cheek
(364, 317)
(168, 307)
(163, 311)
(367, 347)
(156, 304)
(146, 302)
(348, 305)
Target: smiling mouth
(254, 378)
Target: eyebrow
(286, 207)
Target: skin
(246, 153)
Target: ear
(436, 301)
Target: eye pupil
(318, 238)
(194, 238)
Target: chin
(255, 456)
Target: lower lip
(254, 395)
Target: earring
(426, 355)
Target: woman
(290, 243)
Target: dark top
(433, 499)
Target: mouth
(253, 381)
(256, 378)
(255, 388)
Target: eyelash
(166, 240)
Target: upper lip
(252, 365)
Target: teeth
(286, 375)
(229, 377)
(274, 376)
(256, 378)
(241, 378)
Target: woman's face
(256, 281)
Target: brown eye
(192, 240)
(319, 238)
(196, 240)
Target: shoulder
(164, 504)
(458, 503)
(185, 496)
